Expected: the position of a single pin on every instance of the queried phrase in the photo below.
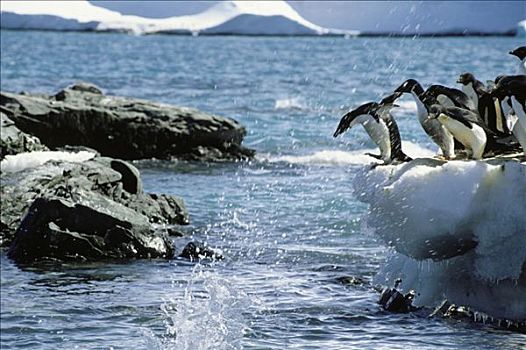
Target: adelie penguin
(511, 90)
(520, 52)
(380, 126)
(446, 96)
(488, 107)
(464, 125)
(432, 127)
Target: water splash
(210, 314)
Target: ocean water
(287, 222)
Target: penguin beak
(346, 122)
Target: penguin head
(407, 86)
(466, 78)
(499, 78)
(349, 119)
(390, 100)
(519, 52)
(509, 85)
(435, 110)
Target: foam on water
(327, 158)
(210, 315)
(290, 103)
(342, 158)
(457, 228)
(23, 161)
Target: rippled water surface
(287, 223)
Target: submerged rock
(393, 300)
(14, 141)
(125, 128)
(198, 251)
(90, 210)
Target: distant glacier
(227, 17)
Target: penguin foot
(377, 156)
(443, 158)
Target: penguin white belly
(522, 67)
(421, 110)
(473, 138)
(379, 133)
(434, 129)
(470, 92)
(519, 129)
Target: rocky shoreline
(95, 208)
(124, 128)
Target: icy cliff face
(458, 230)
(227, 17)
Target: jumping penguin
(380, 126)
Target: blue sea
(288, 223)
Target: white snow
(228, 17)
(23, 161)
(82, 11)
(425, 210)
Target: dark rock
(392, 300)
(85, 87)
(131, 178)
(174, 232)
(351, 280)
(458, 312)
(198, 251)
(57, 228)
(125, 128)
(14, 141)
(93, 184)
(465, 314)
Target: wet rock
(465, 314)
(93, 183)
(197, 251)
(61, 229)
(125, 128)
(351, 280)
(14, 141)
(392, 300)
(441, 309)
(131, 178)
(174, 232)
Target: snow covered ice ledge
(458, 230)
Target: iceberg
(457, 231)
(226, 17)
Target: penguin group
(475, 122)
